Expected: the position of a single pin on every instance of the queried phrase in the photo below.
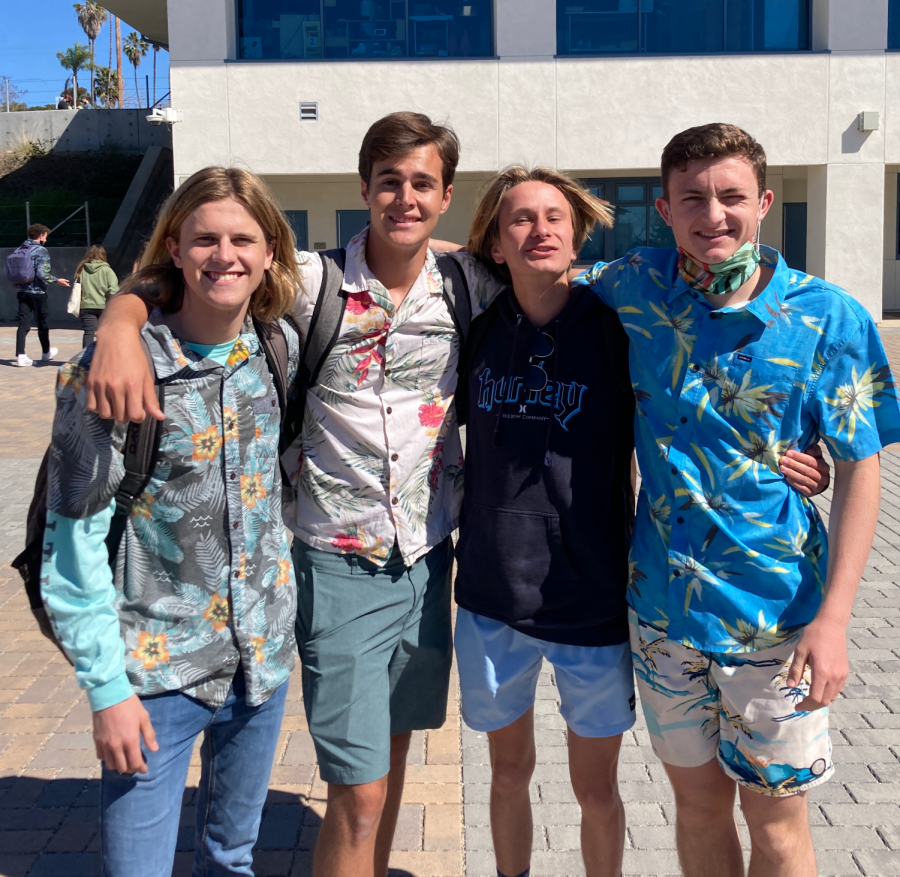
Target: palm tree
(76, 58)
(107, 86)
(91, 18)
(135, 47)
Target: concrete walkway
(48, 770)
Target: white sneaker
(46, 357)
(23, 360)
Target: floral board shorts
(734, 707)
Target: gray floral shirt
(204, 579)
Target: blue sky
(33, 33)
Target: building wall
(607, 114)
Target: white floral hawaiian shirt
(379, 459)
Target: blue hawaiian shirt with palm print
(726, 557)
(203, 583)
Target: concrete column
(845, 235)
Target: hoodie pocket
(505, 560)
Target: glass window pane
(660, 234)
(894, 24)
(683, 26)
(594, 249)
(297, 220)
(364, 29)
(657, 192)
(760, 25)
(794, 247)
(349, 224)
(632, 192)
(630, 229)
(597, 26)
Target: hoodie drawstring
(509, 369)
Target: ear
(766, 204)
(174, 251)
(497, 255)
(270, 254)
(364, 191)
(445, 202)
(663, 207)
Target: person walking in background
(32, 295)
(98, 285)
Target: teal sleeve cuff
(109, 693)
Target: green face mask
(720, 278)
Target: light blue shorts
(498, 674)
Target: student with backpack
(377, 469)
(98, 285)
(28, 269)
(191, 630)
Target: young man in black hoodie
(545, 529)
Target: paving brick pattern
(49, 790)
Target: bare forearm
(125, 312)
(854, 515)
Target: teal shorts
(376, 647)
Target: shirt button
(395, 457)
(684, 420)
(674, 471)
(237, 574)
(394, 501)
(677, 573)
(389, 410)
(695, 367)
(234, 526)
(680, 521)
(387, 371)
(232, 476)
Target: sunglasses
(536, 378)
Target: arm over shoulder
(484, 287)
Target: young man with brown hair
(739, 607)
(378, 470)
(32, 294)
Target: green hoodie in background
(98, 284)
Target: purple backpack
(20, 265)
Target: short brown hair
(716, 140)
(162, 284)
(399, 134)
(587, 211)
(35, 230)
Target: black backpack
(139, 460)
(325, 326)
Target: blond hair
(587, 211)
(162, 283)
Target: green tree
(107, 84)
(91, 18)
(135, 47)
(76, 58)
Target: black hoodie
(545, 527)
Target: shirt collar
(764, 305)
(359, 278)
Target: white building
(595, 89)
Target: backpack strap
(324, 328)
(140, 453)
(459, 302)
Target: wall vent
(309, 111)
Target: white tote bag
(74, 306)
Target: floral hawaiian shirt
(203, 580)
(726, 556)
(379, 459)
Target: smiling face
(535, 232)
(714, 207)
(222, 252)
(406, 197)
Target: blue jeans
(139, 813)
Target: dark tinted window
(298, 221)
(364, 29)
(637, 222)
(682, 27)
(894, 24)
(349, 224)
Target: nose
(715, 211)
(406, 195)
(225, 251)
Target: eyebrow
(731, 190)
(419, 175)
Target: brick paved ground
(48, 771)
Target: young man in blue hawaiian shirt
(739, 610)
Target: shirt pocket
(755, 394)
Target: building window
(349, 224)
(683, 27)
(637, 223)
(794, 225)
(299, 222)
(365, 29)
(894, 24)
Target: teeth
(216, 276)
